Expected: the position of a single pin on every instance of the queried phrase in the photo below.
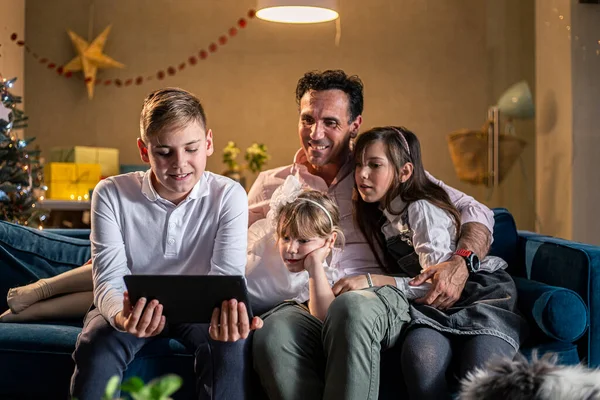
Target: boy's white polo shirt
(136, 231)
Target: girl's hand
(350, 283)
(316, 258)
(360, 282)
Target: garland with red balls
(160, 74)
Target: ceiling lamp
(297, 11)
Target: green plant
(230, 153)
(256, 157)
(157, 389)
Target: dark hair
(334, 79)
(169, 108)
(368, 216)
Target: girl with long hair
(411, 224)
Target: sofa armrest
(552, 312)
(565, 264)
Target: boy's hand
(138, 321)
(316, 258)
(230, 323)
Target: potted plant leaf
(157, 389)
(256, 157)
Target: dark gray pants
(433, 363)
(101, 352)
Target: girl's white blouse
(268, 279)
(432, 233)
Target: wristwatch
(470, 258)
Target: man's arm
(450, 277)
(229, 251)
(476, 237)
(470, 210)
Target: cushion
(504, 244)
(29, 351)
(27, 255)
(572, 265)
(556, 312)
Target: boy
(176, 218)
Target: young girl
(411, 225)
(304, 226)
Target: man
(290, 356)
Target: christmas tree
(21, 173)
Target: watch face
(474, 262)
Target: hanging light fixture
(297, 11)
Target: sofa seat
(44, 351)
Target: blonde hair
(304, 219)
(169, 108)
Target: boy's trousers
(222, 369)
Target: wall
(554, 119)
(510, 58)
(586, 131)
(12, 62)
(568, 100)
(426, 64)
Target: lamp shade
(297, 11)
(516, 101)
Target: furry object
(541, 379)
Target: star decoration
(90, 58)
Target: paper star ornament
(90, 58)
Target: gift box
(108, 158)
(70, 181)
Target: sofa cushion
(31, 350)
(571, 265)
(27, 255)
(558, 313)
(504, 244)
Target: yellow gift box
(108, 158)
(70, 181)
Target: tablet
(188, 298)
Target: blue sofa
(558, 283)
